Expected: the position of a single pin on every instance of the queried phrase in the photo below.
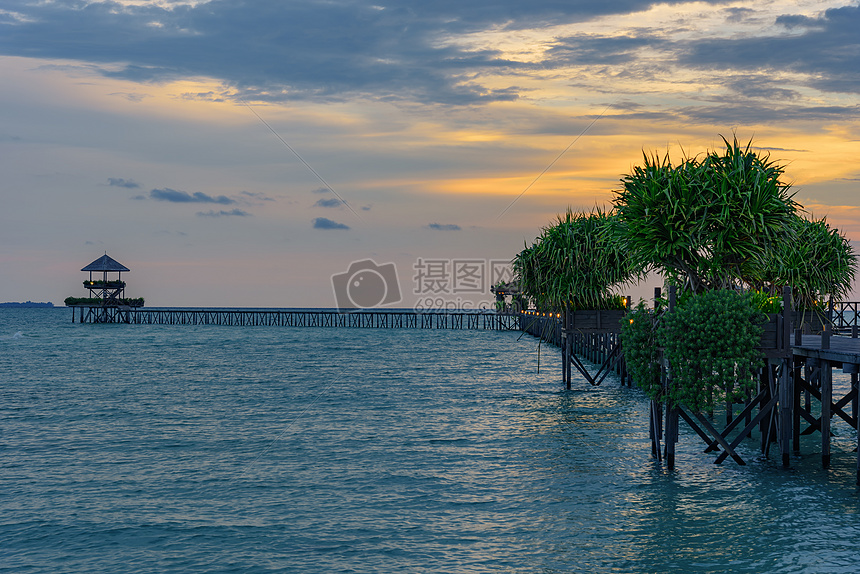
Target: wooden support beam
(581, 368)
(764, 423)
(611, 358)
(728, 450)
(835, 408)
(698, 430)
(765, 411)
(744, 415)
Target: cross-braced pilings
(794, 397)
(588, 335)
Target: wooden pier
(794, 397)
(368, 319)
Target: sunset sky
(210, 146)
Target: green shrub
(639, 341)
(97, 302)
(711, 345)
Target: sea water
(140, 448)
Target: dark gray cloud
(274, 50)
(330, 202)
(444, 226)
(591, 50)
(121, 182)
(761, 86)
(752, 113)
(222, 213)
(826, 48)
(324, 223)
(738, 14)
(322, 50)
(176, 196)
(793, 21)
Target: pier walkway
(366, 319)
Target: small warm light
(631, 321)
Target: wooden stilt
(826, 402)
(764, 423)
(795, 419)
(855, 402)
(565, 351)
(671, 435)
(656, 429)
(854, 411)
(786, 396)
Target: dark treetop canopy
(105, 263)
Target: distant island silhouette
(27, 304)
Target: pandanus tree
(708, 222)
(818, 263)
(716, 225)
(574, 263)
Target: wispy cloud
(257, 195)
(222, 213)
(122, 182)
(130, 96)
(176, 196)
(325, 223)
(444, 226)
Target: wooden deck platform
(840, 350)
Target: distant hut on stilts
(109, 291)
(107, 299)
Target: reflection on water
(155, 448)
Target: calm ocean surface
(134, 448)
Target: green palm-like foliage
(819, 263)
(707, 222)
(574, 263)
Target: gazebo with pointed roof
(105, 263)
(109, 291)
